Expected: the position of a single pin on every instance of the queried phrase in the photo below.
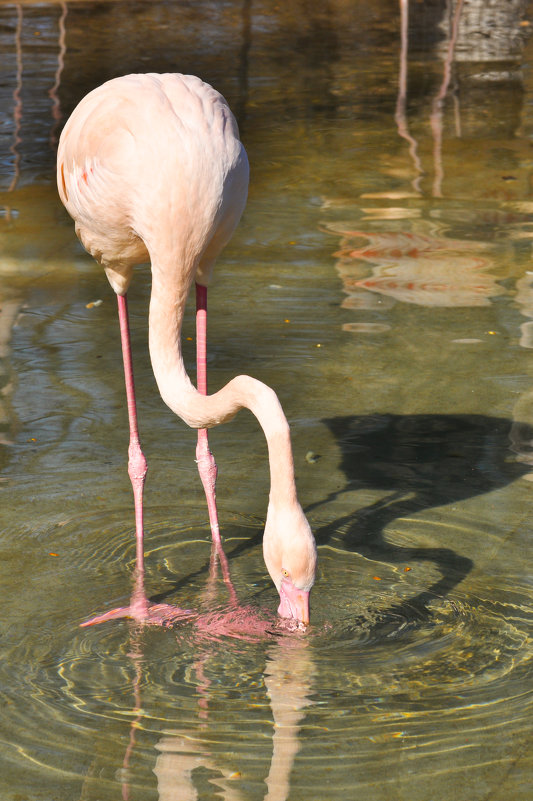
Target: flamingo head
(289, 550)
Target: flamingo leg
(205, 460)
(137, 467)
(140, 608)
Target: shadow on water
(423, 461)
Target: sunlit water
(379, 281)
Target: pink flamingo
(150, 167)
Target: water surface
(380, 281)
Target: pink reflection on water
(415, 268)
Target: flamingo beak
(294, 603)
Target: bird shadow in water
(422, 461)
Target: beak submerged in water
(294, 603)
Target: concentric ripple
(388, 657)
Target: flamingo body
(152, 165)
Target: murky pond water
(381, 281)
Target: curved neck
(206, 411)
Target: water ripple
(387, 663)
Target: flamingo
(151, 168)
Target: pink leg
(204, 458)
(140, 607)
(137, 467)
(207, 467)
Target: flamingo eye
(284, 573)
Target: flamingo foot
(145, 613)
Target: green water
(379, 281)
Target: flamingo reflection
(184, 756)
(53, 93)
(420, 267)
(288, 679)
